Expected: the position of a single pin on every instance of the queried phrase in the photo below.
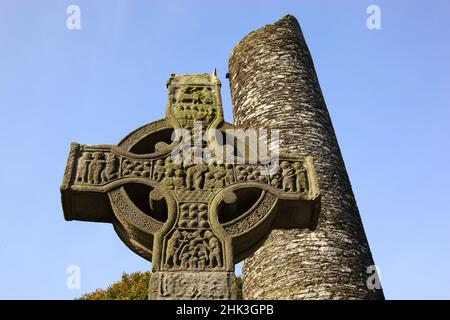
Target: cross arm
(92, 171)
(289, 197)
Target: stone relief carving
(193, 215)
(192, 95)
(136, 168)
(204, 285)
(290, 176)
(101, 167)
(189, 249)
(111, 169)
(194, 103)
(251, 173)
(195, 176)
(83, 167)
(301, 180)
(97, 167)
(158, 173)
(131, 213)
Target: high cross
(193, 218)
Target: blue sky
(387, 91)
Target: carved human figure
(168, 163)
(229, 174)
(222, 171)
(203, 248)
(188, 257)
(202, 257)
(219, 178)
(178, 180)
(190, 169)
(185, 257)
(206, 96)
(172, 249)
(168, 179)
(198, 176)
(83, 167)
(287, 174)
(209, 181)
(215, 252)
(212, 162)
(301, 181)
(110, 171)
(275, 175)
(193, 260)
(95, 168)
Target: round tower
(274, 86)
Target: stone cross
(192, 217)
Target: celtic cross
(192, 217)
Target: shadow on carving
(139, 195)
(245, 199)
(152, 142)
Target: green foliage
(133, 286)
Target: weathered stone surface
(193, 285)
(274, 85)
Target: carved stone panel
(97, 167)
(192, 286)
(193, 249)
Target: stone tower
(274, 85)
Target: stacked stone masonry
(274, 86)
